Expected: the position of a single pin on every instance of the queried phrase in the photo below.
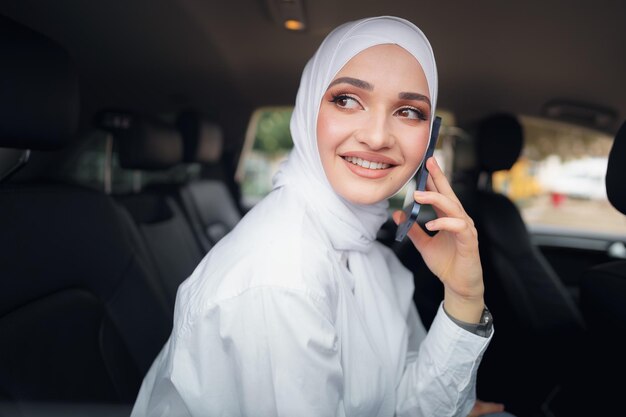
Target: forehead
(385, 61)
(381, 51)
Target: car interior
(125, 128)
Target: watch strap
(482, 328)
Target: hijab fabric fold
(352, 228)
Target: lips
(368, 165)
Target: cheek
(331, 132)
(323, 124)
(414, 148)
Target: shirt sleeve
(440, 374)
(269, 351)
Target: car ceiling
(160, 56)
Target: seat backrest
(535, 314)
(208, 201)
(80, 318)
(603, 289)
(166, 233)
(530, 287)
(602, 296)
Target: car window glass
(97, 165)
(558, 181)
(268, 141)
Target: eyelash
(420, 114)
(343, 96)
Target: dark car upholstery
(539, 327)
(165, 232)
(80, 317)
(209, 203)
(602, 295)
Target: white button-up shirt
(268, 325)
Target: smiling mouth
(365, 163)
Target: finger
(416, 234)
(442, 204)
(439, 179)
(465, 233)
(398, 216)
(430, 184)
(489, 407)
(481, 408)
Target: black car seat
(151, 145)
(602, 300)
(208, 201)
(80, 318)
(539, 328)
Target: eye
(345, 102)
(411, 113)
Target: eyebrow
(369, 87)
(414, 96)
(353, 81)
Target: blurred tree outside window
(268, 143)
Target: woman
(299, 311)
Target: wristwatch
(483, 328)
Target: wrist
(466, 309)
(483, 328)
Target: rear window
(96, 165)
(559, 179)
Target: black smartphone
(413, 210)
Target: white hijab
(382, 287)
(350, 227)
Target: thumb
(416, 234)
(398, 216)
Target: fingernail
(429, 225)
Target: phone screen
(412, 210)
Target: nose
(375, 131)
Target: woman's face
(373, 124)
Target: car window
(96, 165)
(558, 181)
(268, 142)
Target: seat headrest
(39, 96)
(143, 144)
(616, 171)
(499, 142)
(202, 138)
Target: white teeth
(366, 164)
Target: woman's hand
(483, 407)
(452, 254)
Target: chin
(364, 198)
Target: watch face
(486, 323)
(486, 317)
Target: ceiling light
(288, 13)
(293, 24)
